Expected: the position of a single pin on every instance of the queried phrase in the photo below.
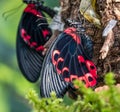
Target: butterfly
(69, 58)
(33, 33)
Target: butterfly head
(76, 24)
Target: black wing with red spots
(34, 28)
(68, 58)
(33, 33)
(50, 80)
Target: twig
(109, 41)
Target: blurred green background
(13, 86)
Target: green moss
(104, 101)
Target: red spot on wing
(60, 60)
(72, 32)
(88, 82)
(40, 48)
(31, 9)
(81, 59)
(55, 52)
(70, 29)
(82, 78)
(85, 79)
(73, 77)
(92, 68)
(45, 33)
(67, 79)
(90, 77)
(65, 69)
(25, 36)
(33, 44)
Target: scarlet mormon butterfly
(33, 32)
(68, 58)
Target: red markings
(72, 32)
(45, 33)
(55, 52)
(90, 83)
(65, 69)
(40, 48)
(60, 60)
(33, 44)
(31, 9)
(27, 38)
(73, 77)
(24, 35)
(88, 78)
(81, 59)
(67, 79)
(92, 72)
(56, 62)
(92, 68)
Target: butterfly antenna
(10, 12)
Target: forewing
(33, 32)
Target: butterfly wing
(67, 60)
(50, 80)
(87, 45)
(33, 32)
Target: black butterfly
(33, 33)
(68, 58)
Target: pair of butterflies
(68, 58)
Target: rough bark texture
(107, 9)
